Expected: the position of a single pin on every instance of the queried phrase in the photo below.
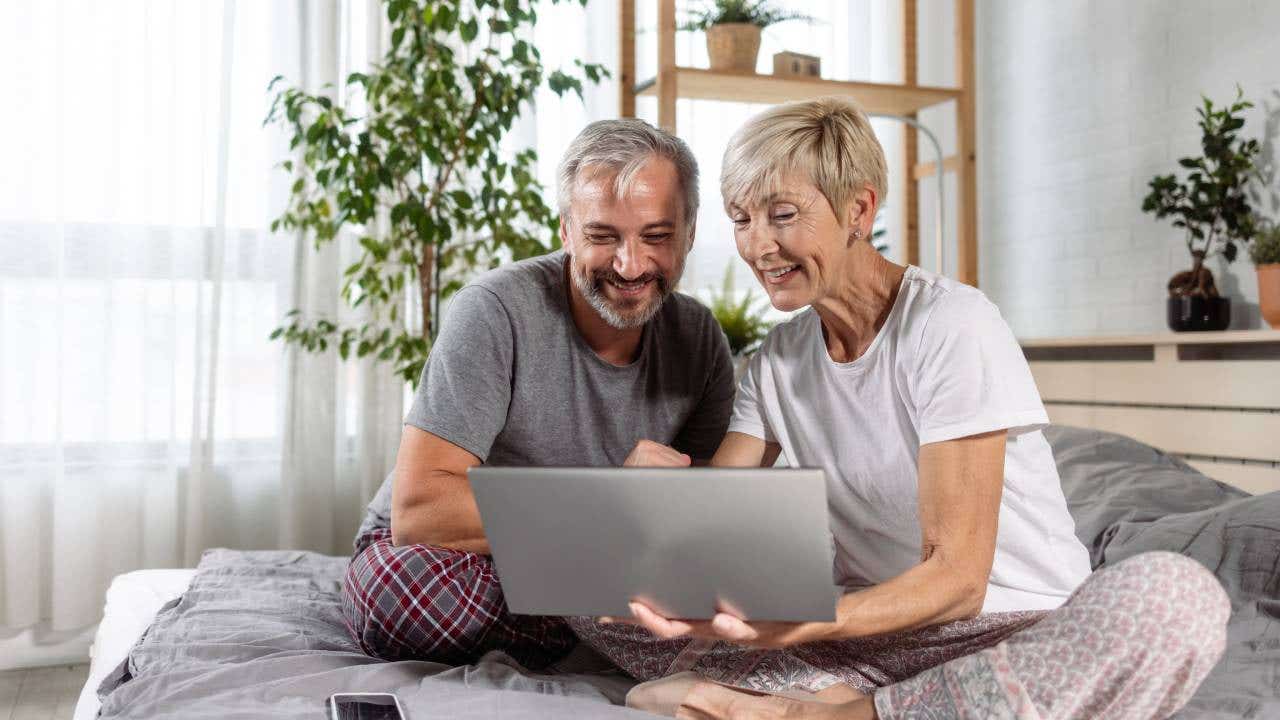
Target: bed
(260, 633)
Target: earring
(857, 233)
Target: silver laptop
(688, 542)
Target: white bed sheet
(131, 604)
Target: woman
(966, 586)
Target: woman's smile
(778, 276)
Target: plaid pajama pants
(419, 602)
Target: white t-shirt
(945, 365)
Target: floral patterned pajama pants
(1134, 641)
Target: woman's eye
(783, 217)
(740, 221)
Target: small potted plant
(1211, 205)
(1265, 253)
(733, 30)
(740, 318)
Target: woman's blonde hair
(828, 139)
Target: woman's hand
(648, 453)
(729, 628)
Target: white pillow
(132, 603)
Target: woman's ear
(862, 214)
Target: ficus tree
(1211, 204)
(421, 176)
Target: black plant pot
(1198, 313)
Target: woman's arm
(742, 450)
(736, 450)
(959, 502)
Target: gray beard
(594, 294)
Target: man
(566, 359)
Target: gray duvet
(260, 634)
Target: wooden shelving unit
(907, 98)
(699, 84)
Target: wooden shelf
(700, 84)
(905, 99)
(1225, 337)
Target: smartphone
(365, 706)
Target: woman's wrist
(846, 625)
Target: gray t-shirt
(511, 381)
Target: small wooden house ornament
(797, 65)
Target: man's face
(626, 254)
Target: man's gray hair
(622, 147)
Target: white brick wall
(1080, 103)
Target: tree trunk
(426, 289)
(1196, 282)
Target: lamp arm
(937, 149)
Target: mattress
(132, 602)
(261, 633)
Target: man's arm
(460, 407)
(431, 499)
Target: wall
(24, 650)
(1080, 104)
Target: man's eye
(657, 238)
(600, 239)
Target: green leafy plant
(878, 233)
(421, 177)
(761, 13)
(1211, 204)
(1265, 249)
(739, 316)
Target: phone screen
(371, 706)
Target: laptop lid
(686, 541)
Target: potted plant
(733, 30)
(1211, 205)
(1265, 253)
(422, 177)
(740, 318)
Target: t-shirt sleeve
(971, 376)
(704, 430)
(465, 389)
(748, 409)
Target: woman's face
(794, 243)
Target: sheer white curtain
(144, 416)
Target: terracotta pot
(733, 47)
(1269, 293)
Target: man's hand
(648, 453)
(730, 628)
